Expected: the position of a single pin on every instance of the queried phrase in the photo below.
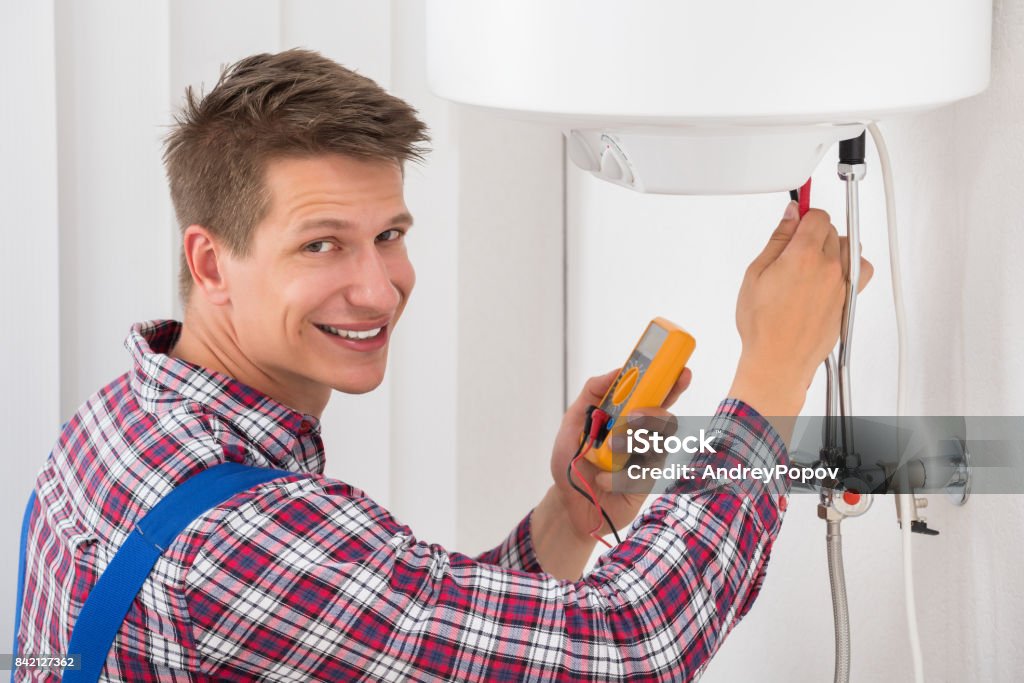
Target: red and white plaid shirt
(306, 578)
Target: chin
(358, 385)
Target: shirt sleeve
(516, 551)
(322, 587)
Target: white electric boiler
(698, 97)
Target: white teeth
(351, 334)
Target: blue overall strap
(21, 574)
(112, 596)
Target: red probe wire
(598, 419)
(590, 492)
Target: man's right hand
(789, 311)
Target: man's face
(316, 300)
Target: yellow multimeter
(644, 382)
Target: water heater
(698, 97)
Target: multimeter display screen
(652, 340)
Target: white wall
(961, 220)
(30, 342)
(115, 216)
(92, 247)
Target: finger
(604, 481)
(779, 239)
(813, 229)
(866, 272)
(681, 385)
(833, 243)
(844, 256)
(653, 420)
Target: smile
(351, 334)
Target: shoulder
(113, 461)
(316, 516)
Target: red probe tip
(599, 419)
(805, 198)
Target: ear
(205, 259)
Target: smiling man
(287, 180)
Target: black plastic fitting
(852, 151)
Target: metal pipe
(849, 312)
(851, 171)
(840, 611)
(828, 436)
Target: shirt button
(305, 427)
(783, 503)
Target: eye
(318, 247)
(390, 235)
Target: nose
(370, 287)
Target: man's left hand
(620, 507)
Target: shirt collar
(159, 382)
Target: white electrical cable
(906, 503)
(905, 500)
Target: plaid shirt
(306, 578)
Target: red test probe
(805, 198)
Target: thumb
(780, 238)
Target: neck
(213, 344)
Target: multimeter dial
(624, 387)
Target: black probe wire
(586, 495)
(568, 473)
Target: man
(287, 182)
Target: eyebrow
(342, 224)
